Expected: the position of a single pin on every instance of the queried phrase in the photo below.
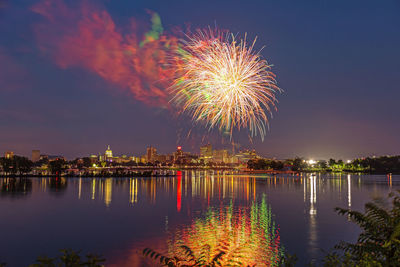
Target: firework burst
(221, 81)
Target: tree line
(373, 165)
(18, 165)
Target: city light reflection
(179, 191)
(133, 189)
(246, 235)
(108, 191)
(313, 231)
(80, 188)
(349, 191)
(93, 189)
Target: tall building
(108, 154)
(246, 155)
(221, 156)
(9, 154)
(206, 151)
(151, 154)
(178, 154)
(35, 155)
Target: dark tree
(57, 166)
(332, 162)
(86, 162)
(23, 164)
(298, 164)
(322, 164)
(41, 162)
(16, 164)
(7, 165)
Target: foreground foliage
(69, 258)
(379, 242)
(205, 259)
(188, 258)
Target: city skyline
(339, 78)
(149, 154)
(150, 151)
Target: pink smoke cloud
(87, 37)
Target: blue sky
(337, 62)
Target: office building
(35, 155)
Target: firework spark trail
(224, 83)
(216, 78)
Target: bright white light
(348, 161)
(311, 162)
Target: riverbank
(172, 173)
(104, 175)
(315, 171)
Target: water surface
(117, 217)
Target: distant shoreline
(152, 175)
(319, 172)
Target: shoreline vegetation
(146, 175)
(18, 166)
(377, 245)
(370, 165)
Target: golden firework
(221, 81)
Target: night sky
(63, 88)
